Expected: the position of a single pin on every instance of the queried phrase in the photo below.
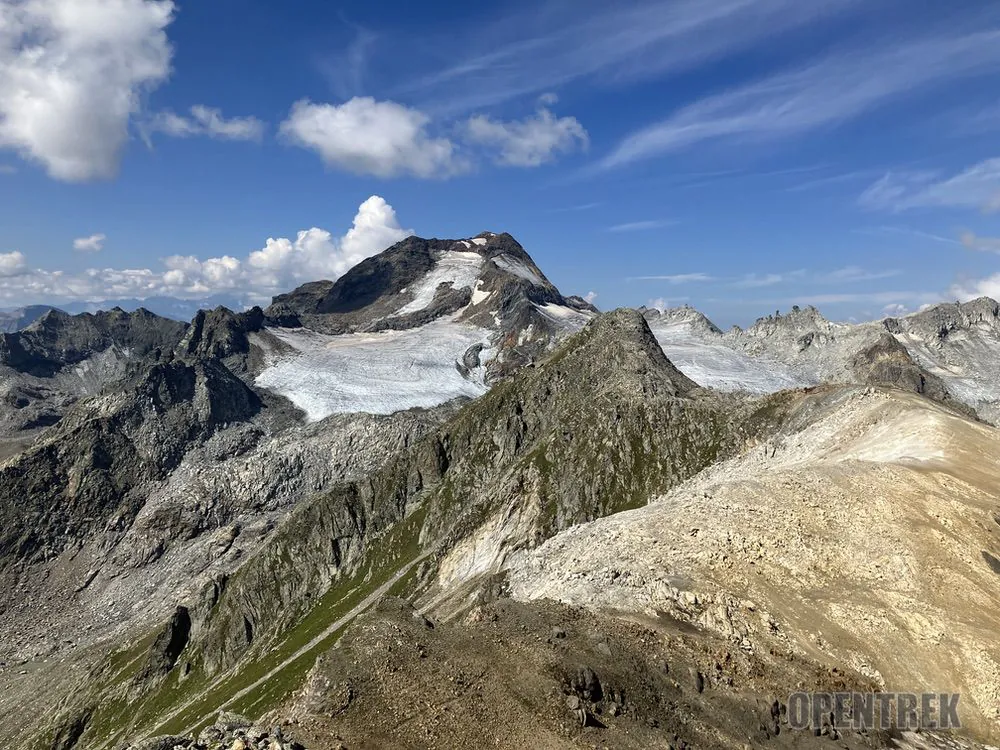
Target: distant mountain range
(14, 319)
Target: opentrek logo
(862, 711)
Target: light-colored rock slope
(957, 343)
(868, 539)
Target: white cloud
(530, 142)
(11, 264)
(662, 304)
(676, 278)
(205, 121)
(829, 92)
(977, 187)
(549, 44)
(279, 266)
(92, 244)
(895, 309)
(638, 226)
(365, 136)
(72, 74)
(590, 297)
(850, 274)
(755, 281)
(973, 288)
(983, 244)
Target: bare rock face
(165, 649)
(92, 469)
(58, 339)
(886, 362)
(12, 321)
(220, 333)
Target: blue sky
(740, 155)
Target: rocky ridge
(942, 352)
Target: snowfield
(456, 268)
(717, 365)
(378, 373)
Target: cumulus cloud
(72, 74)
(530, 142)
(279, 266)
(11, 264)
(205, 121)
(92, 244)
(590, 297)
(973, 288)
(977, 187)
(365, 136)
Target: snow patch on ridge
(518, 268)
(456, 268)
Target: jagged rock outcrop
(14, 320)
(58, 339)
(220, 333)
(90, 472)
(886, 362)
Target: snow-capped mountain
(421, 323)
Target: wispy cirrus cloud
(641, 226)
(909, 232)
(977, 187)
(831, 91)
(677, 278)
(855, 274)
(555, 43)
(757, 280)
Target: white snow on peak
(466, 243)
(457, 268)
(479, 240)
(518, 268)
(378, 373)
(565, 317)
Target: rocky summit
(435, 503)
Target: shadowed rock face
(92, 469)
(58, 339)
(886, 362)
(15, 320)
(220, 333)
